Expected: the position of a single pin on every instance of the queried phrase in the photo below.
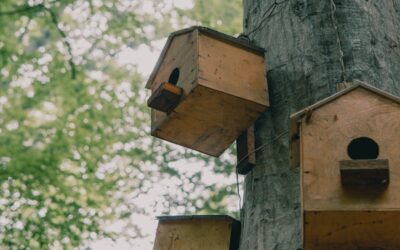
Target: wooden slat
(165, 98)
(245, 151)
(364, 172)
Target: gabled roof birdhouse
(198, 232)
(207, 88)
(347, 146)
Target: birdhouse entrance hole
(167, 96)
(363, 148)
(174, 77)
(364, 168)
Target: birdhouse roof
(210, 32)
(298, 116)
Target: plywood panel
(182, 54)
(232, 70)
(193, 235)
(208, 121)
(351, 230)
(324, 143)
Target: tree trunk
(312, 46)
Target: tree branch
(71, 63)
(23, 9)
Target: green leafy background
(75, 151)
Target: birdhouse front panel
(350, 170)
(207, 89)
(326, 140)
(197, 233)
(180, 63)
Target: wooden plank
(232, 70)
(199, 233)
(364, 172)
(246, 151)
(165, 98)
(325, 139)
(348, 230)
(206, 120)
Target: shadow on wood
(165, 98)
(364, 172)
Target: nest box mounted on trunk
(348, 148)
(198, 232)
(207, 89)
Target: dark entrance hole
(174, 77)
(363, 148)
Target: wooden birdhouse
(216, 232)
(347, 146)
(206, 89)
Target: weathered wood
(197, 233)
(232, 70)
(295, 119)
(165, 98)
(224, 89)
(312, 46)
(324, 143)
(166, 54)
(246, 152)
(364, 172)
(349, 230)
(207, 121)
(332, 183)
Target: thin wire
(262, 146)
(255, 150)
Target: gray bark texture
(312, 46)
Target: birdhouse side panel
(350, 230)
(232, 70)
(179, 65)
(326, 136)
(193, 234)
(208, 121)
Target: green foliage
(75, 149)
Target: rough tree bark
(312, 46)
